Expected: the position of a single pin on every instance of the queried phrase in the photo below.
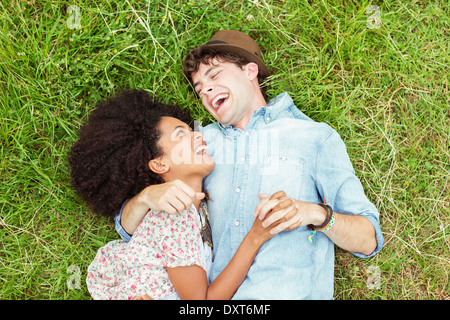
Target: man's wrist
(326, 225)
(320, 215)
(142, 203)
(140, 197)
(329, 219)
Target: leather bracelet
(329, 211)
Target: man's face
(226, 91)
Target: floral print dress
(124, 270)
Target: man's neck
(243, 123)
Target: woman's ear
(157, 166)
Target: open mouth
(219, 100)
(201, 149)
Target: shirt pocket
(282, 173)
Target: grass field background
(382, 83)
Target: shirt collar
(270, 112)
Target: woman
(129, 143)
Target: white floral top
(124, 270)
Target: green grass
(385, 90)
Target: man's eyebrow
(206, 73)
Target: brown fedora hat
(239, 43)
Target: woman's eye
(181, 133)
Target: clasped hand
(279, 212)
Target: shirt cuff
(126, 237)
(378, 235)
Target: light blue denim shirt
(280, 149)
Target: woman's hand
(261, 231)
(143, 297)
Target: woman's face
(184, 151)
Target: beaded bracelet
(328, 223)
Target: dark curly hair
(109, 162)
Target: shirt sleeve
(337, 184)
(120, 230)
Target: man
(260, 148)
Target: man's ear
(157, 166)
(252, 70)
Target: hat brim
(241, 52)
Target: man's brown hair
(204, 55)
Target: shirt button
(242, 159)
(236, 223)
(268, 119)
(238, 190)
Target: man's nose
(207, 89)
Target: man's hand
(172, 197)
(278, 209)
(353, 233)
(290, 213)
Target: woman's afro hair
(109, 162)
